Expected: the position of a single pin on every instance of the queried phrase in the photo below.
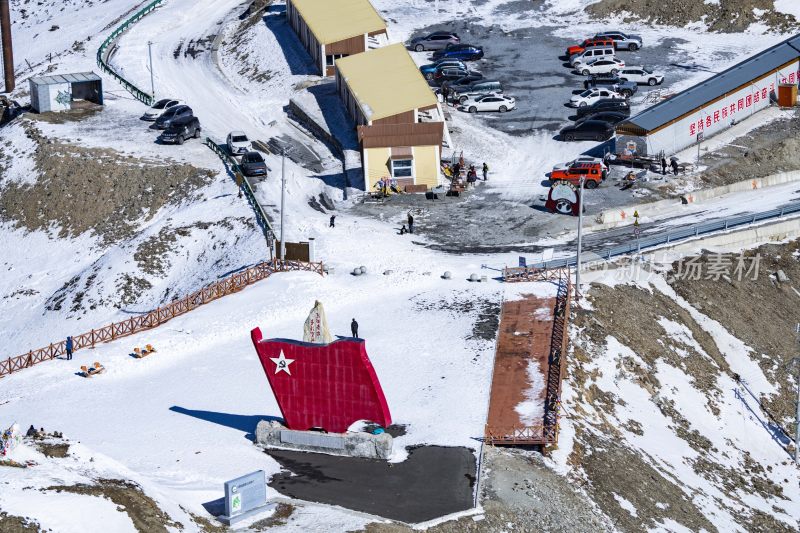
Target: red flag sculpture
(328, 386)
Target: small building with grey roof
(712, 105)
(59, 92)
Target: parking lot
(532, 66)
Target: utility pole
(8, 52)
(580, 237)
(283, 203)
(152, 79)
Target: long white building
(713, 105)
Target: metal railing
(247, 189)
(638, 244)
(102, 62)
(229, 285)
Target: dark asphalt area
(434, 481)
(532, 66)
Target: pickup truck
(623, 87)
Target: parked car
(583, 159)
(435, 41)
(173, 113)
(489, 102)
(612, 117)
(609, 65)
(588, 130)
(478, 88)
(464, 52)
(590, 96)
(617, 106)
(641, 76)
(462, 83)
(593, 173)
(591, 54)
(588, 43)
(253, 164)
(430, 69)
(453, 74)
(622, 41)
(238, 143)
(181, 129)
(157, 108)
(624, 87)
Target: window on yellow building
(402, 168)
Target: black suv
(181, 129)
(171, 114)
(607, 104)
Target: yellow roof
(335, 20)
(385, 81)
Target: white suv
(590, 96)
(610, 65)
(238, 143)
(591, 54)
(641, 75)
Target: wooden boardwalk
(526, 328)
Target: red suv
(594, 174)
(579, 48)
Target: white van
(591, 54)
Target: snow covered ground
(177, 422)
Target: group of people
(454, 171)
(673, 164)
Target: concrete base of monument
(271, 434)
(233, 520)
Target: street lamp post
(283, 203)
(152, 78)
(580, 237)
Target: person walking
(69, 348)
(485, 171)
(333, 221)
(675, 167)
(664, 166)
(354, 328)
(410, 223)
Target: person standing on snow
(675, 167)
(354, 328)
(410, 223)
(333, 221)
(485, 171)
(69, 348)
(664, 166)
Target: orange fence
(231, 284)
(514, 274)
(544, 434)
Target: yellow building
(333, 29)
(399, 119)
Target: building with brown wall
(399, 120)
(332, 29)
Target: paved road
(434, 481)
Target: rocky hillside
(727, 16)
(679, 405)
